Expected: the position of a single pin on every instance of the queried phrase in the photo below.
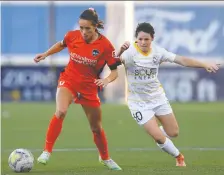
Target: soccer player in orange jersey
(89, 52)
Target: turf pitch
(201, 140)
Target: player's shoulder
(105, 41)
(73, 33)
(130, 53)
(133, 45)
(132, 48)
(157, 48)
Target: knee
(174, 133)
(61, 113)
(96, 129)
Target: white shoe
(112, 165)
(44, 157)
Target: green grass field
(201, 126)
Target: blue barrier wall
(195, 30)
(25, 29)
(28, 83)
(192, 30)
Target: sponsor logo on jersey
(82, 60)
(145, 73)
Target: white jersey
(144, 88)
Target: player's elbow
(61, 45)
(181, 61)
(114, 74)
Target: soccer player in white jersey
(146, 98)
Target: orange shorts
(80, 95)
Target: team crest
(95, 52)
(155, 59)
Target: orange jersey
(87, 60)
(85, 64)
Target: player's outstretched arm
(57, 47)
(104, 82)
(188, 62)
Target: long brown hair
(91, 15)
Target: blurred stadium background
(194, 29)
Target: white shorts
(143, 115)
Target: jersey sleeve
(125, 56)
(68, 36)
(65, 39)
(110, 56)
(167, 56)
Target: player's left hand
(212, 67)
(101, 82)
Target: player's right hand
(212, 67)
(125, 46)
(39, 57)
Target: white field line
(125, 149)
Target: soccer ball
(21, 160)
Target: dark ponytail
(91, 15)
